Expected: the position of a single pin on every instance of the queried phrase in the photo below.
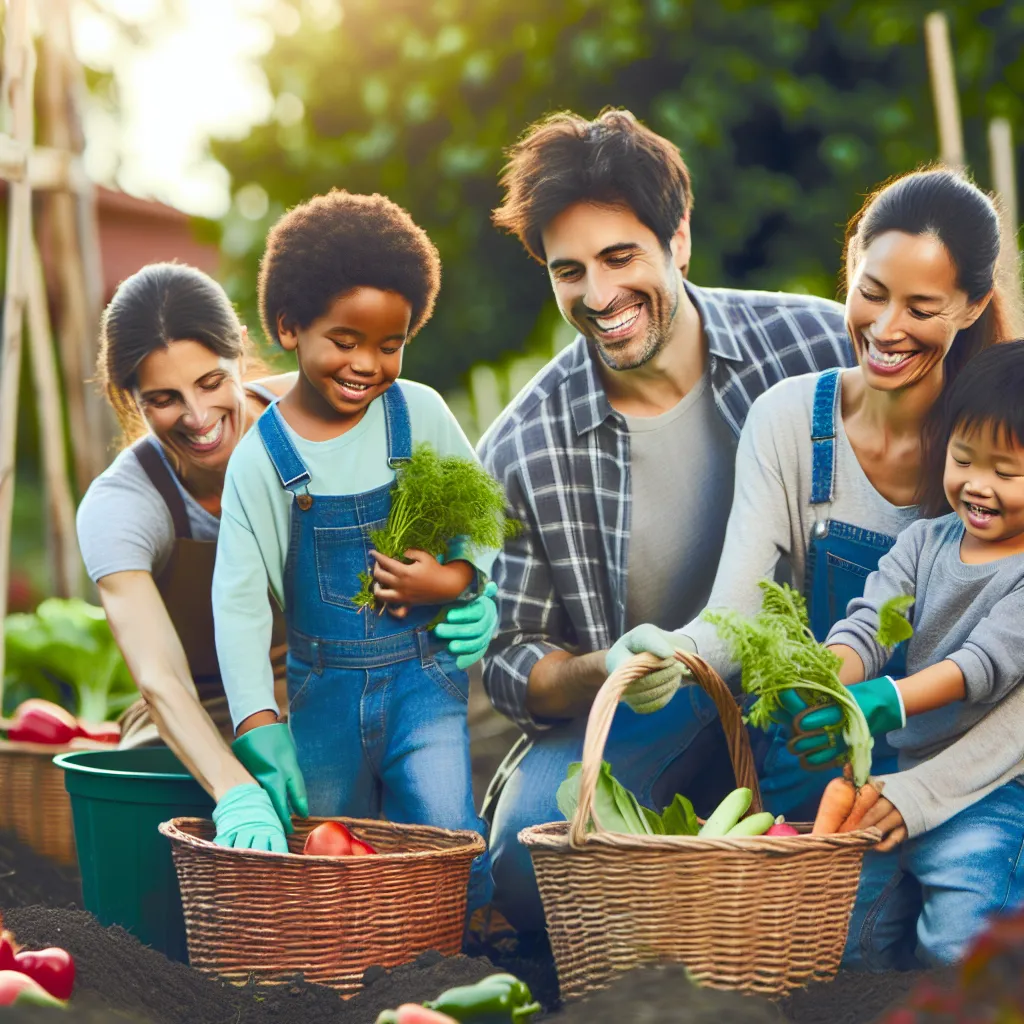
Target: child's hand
(889, 821)
(421, 580)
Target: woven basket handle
(603, 711)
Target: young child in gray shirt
(965, 573)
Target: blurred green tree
(787, 113)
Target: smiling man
(618, 459)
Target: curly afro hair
(334, 243)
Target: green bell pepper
(498, 999)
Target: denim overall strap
(396, 420)
(288, 464)
(823, 438)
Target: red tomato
(52, 968)
(361, 849)
(6, 952)
(16, 987)
(331, 839)
(412, 1013)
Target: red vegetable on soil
(17, 988)
(8, 948)
(412, 1013)
(331, 839)
(53, 968)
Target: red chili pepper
(40, 721)
(54, 969)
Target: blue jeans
(389, 741)
(922, 903)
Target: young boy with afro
(377, 707)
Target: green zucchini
(755, 825)
(727, 813)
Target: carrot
(835, 807)
(867, 797)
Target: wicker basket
(764, 914)
(34, 804)
(275, 915)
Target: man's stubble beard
(659, 332)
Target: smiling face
(984, 483)
(614, 282)
(351, 354)
(904, 309)
(193, 401)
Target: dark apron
(186, 585)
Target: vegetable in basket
(437, 500)
(41, 721)
(333, 839)
(64, 652)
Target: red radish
(54, 969)
(782, 829)
(17, 988)
(361, 849)
(102, 732)
(41, 721)
(331, 839)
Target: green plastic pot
(118, 798)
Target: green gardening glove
(246, 819)
(816, 736)
(468, 628)
(268, 753)
(653, 691)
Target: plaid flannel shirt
(562, 454)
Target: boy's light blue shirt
(255, 524)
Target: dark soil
(121, 981)
(27, 879)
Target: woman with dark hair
(831, 467)
(176, 367)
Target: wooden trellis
(54, 173)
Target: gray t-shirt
(967, 614)
(681, 470)
(124, 524)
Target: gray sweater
(771, 521)
(967, 614)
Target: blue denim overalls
(376, 707)
(840, 557)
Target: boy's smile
(984, 482)
(350, 355)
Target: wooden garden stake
(1004, 179)
(60, 506)
(18, 72)
(943, 79)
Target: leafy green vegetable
(619, 810)
(777, 651)
(679, 818)
(65, 652)
(893, 622)
(436, 499)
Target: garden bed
(119, 980)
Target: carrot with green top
(836, 804)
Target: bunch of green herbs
(64, 652)
(777, 651)
(619, 811)
(893, 623)
(436, 499)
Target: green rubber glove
(268, 753)
(469, 627)
(653, 691)
(816, 734)
(246, 819)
